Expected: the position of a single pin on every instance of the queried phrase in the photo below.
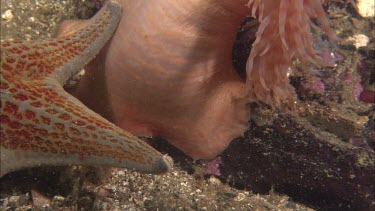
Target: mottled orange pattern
(41, 124)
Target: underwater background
(319, 157)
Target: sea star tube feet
(41, 124)
(168, 69)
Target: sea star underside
(41, 124)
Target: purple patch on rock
(211, 167)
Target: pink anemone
(168, 69)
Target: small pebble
(214, 181)
(361, 40)
(18, 201)
(58, 200)
(7, 15)
(39, 199)
(239, 197)
(366, 8)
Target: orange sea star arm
(41, 124)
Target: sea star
(176, 58)
(41, 124)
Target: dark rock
(290, 156)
